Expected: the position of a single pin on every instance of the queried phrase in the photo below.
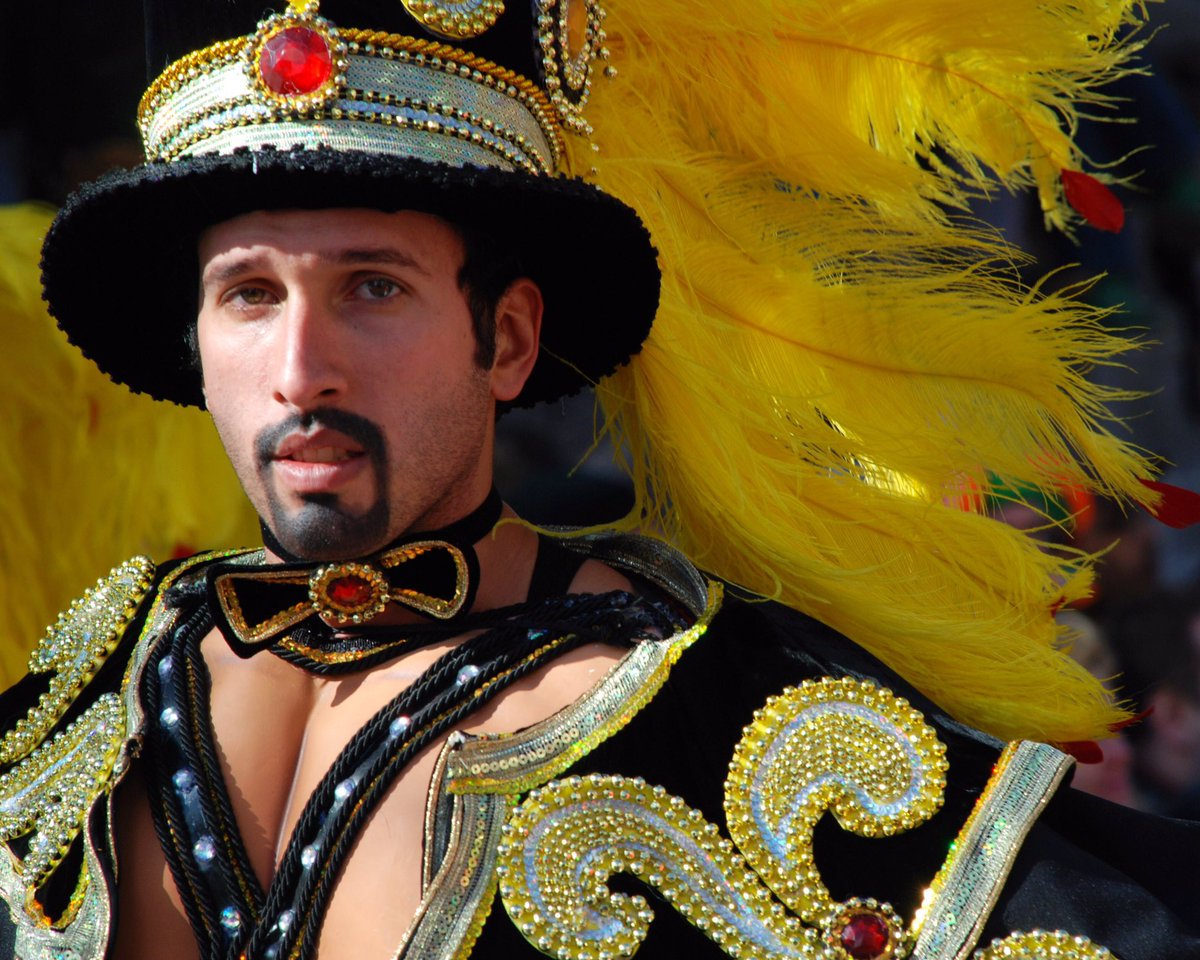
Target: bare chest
(278, 733)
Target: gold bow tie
(258, 603)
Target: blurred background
(1141, 629)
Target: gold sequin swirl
(841, 745)
(566, 840)
(75, 648)
(1043, 945)
(49, 793)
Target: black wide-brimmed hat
(455, 108)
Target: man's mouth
(322, 455)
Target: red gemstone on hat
(866, 936)
(349, 591)
(295, 60)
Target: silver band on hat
(396, 95)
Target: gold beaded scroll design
(840, 745)
(372, 595)
(75, 648)
(46, 795)
(385, 93)
(571, 36)
(457, 19)
(1043, 945)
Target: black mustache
(362, 431)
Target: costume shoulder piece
(70, 728)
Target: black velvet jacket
(1125, 880)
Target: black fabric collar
(463, 533)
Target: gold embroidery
(834, 744)
(75, 647)
(458, 19)
(843, 746)
(838, 745)
(564, 842)
(49, 793)
(1041, 945)
(962, 895)
(518, 762)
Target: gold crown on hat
(300, 81)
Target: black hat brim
(120, 263)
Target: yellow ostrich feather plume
(842, 362)
(92, 474)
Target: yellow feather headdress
(843, 364)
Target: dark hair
(488, 268)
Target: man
(356, 739)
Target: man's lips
(320, 463)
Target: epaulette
(60, 756)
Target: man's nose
(308, 362)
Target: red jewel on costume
(349, 591)
(866, 936)
(296, 60)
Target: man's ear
(518, 329)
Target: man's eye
(378, 288)
(249, 296)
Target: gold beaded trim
(840, 745)
(458, 19)
(75, 647)
(567, 67)
(252, 633)
(960, 899)
(332, 610)
(439, 607)
(565, 841)
(1040, 945)
(275, 24)
(177, 114)
(49, 793)
(517, 762)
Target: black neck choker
(435, 573)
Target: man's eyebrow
(378, 255)
(221, 273)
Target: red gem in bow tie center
(349, 591)
(295, 60)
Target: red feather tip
(1093, 201)
(1084, 751)
(1178, 507)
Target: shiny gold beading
(1042, 945)
(389, 94)
(960, 899)
(841, 745)
(457, 19)
(75, 647)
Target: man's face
(339, 367)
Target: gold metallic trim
(1043, 945)
(438, 607)
(49, 793)
(208, 94)
(252, 633)
(457, 900)
(75, 647)
(335, 611)
(516, 762)
(276, 24)
(962, 895)
(457, 19)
